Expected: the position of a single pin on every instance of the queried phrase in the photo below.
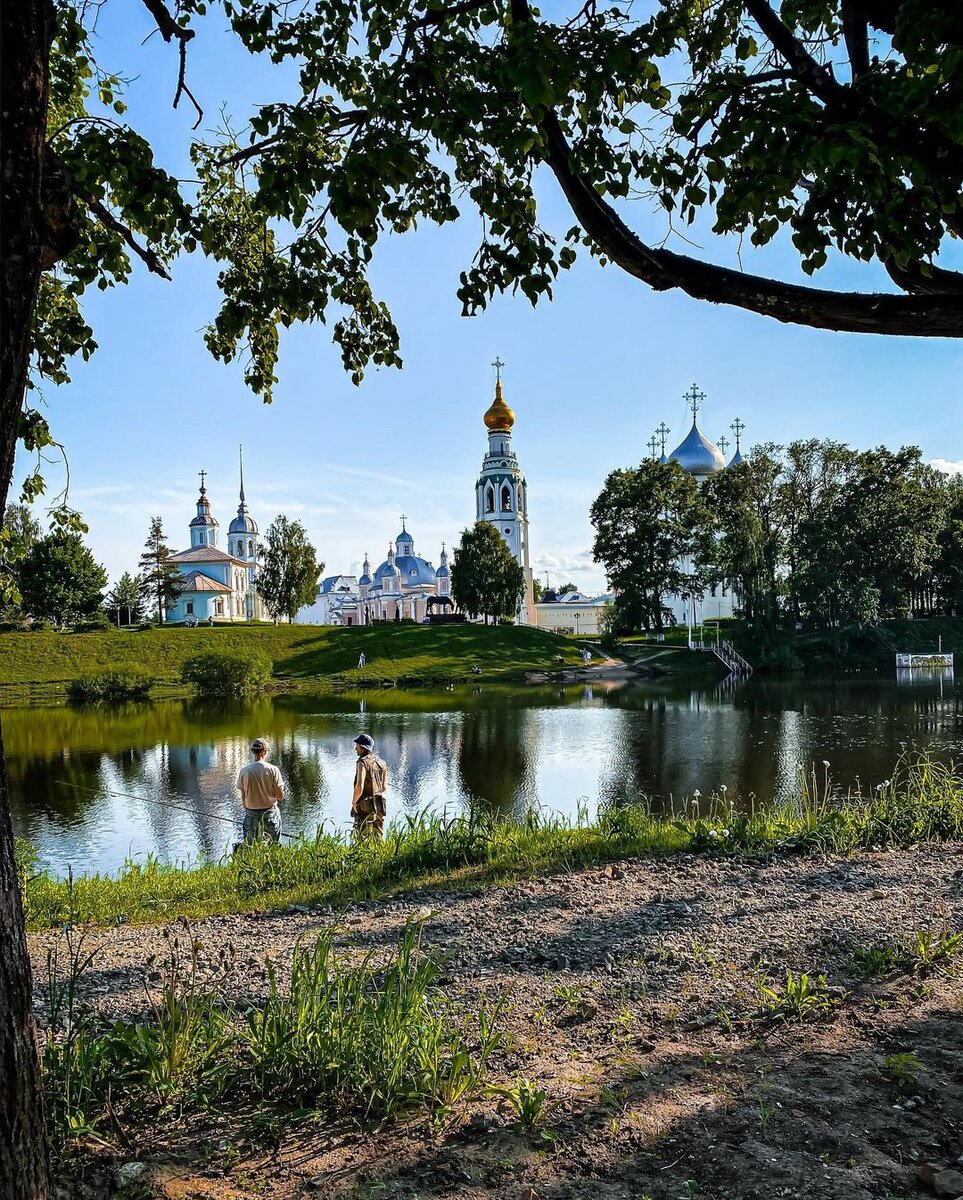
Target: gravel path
(629, 996)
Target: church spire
(240, 455)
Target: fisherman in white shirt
(261, 789)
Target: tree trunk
(23, 1153)
(26, 29)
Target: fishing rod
(194, 812)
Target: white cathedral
(408, 587)
(218, 585)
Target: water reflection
(93, 786)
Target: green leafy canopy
(839, 121)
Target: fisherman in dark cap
(370, 785)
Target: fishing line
(194, 812)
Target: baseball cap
(259, 744)
(364, 740)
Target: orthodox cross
(723, 445)
(652, 443)
(694, 399)
(663, 431)
(203, 475)
(498, 364)
(737, 427)
(403, 519)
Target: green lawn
(395, 652)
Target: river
(92, 787)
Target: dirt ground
(632, 998)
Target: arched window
(250, 547)
(506, 498)
(489, 499)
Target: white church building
(218, 585)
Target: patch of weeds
(903, 1070)
(765, 1111)
(801, 996)
(526, 1100)
(923, 951)
(370, 1038)
(568, 996)
(927, 950)
(872, 962)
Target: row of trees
(814, 533)
(59, 580)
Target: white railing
(730, 657)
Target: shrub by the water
(96, 623)
(225, 674)
(111, 685)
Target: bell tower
(501, 493)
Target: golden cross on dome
(694, 399)
(498, 364)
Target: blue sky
(590, 376)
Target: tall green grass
(922, 801)
(372, 1038)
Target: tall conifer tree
(158, 576)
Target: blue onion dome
(365, 580)
(414, 570)
(243, 522)
(387, 570)
(736, 459)
(696, 455)
(442, 572)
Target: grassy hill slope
(416, 653)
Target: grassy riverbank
(922, 802)
(395, 653)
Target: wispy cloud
(947, 466)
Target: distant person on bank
(261, 789)
(370, 785)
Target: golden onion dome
(499, 418)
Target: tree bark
(26, 29)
